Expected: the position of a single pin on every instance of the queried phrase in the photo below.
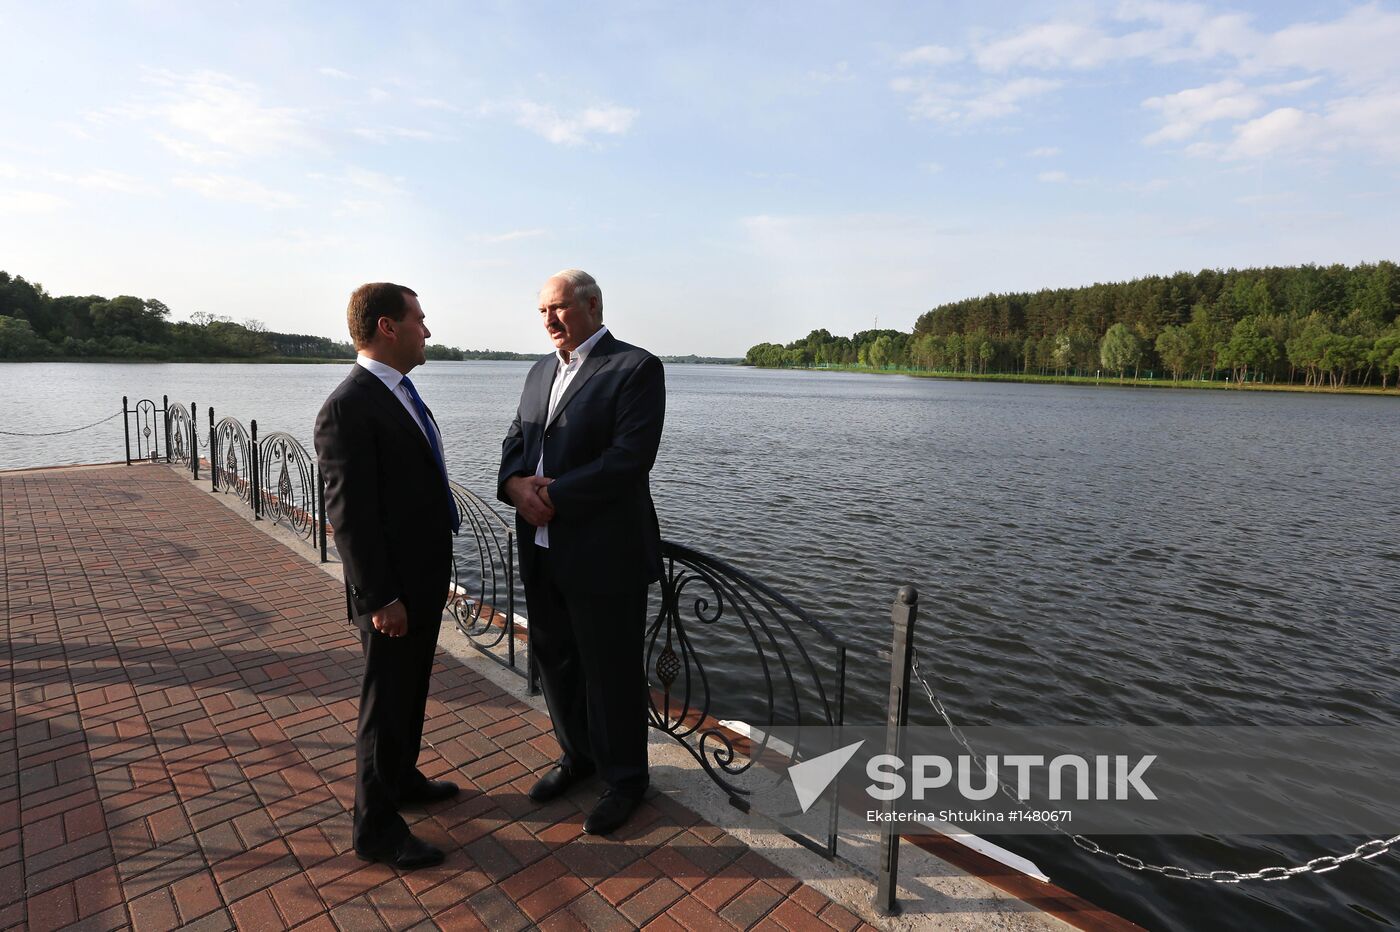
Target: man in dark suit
(575, 465)
(393, 515)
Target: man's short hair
(584, 286)
(371, 302)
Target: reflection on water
(1083, 555)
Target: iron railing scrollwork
(148, 421)
(287, 484)
(232, 457)
(727, 657)
(484, 584)
(179, 431)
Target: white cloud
(1186, 112)
(107, 180)
(1054, 177)
(382, 134)
(74, 129)
(227, 113)
(1228, 35)
(955, 103)
(334, 73)
(1340, 74)
(1147, 187)
(1286, 129)
(1368, 122)
(574, 130)
(1359, 48)
(192, 152)
(434, 103)
(1371, 121)
(237, 190)
(1006, 99)
(1266, 200)
(30, 202)
(932, 55)
(933, 168)
(1043, 152)
(509, 236)
(1082, 45)
(365, 180)
(8, 171)
(839, 72)
(1049, 45)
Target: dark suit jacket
(599, 450)
(385, 499)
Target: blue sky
(731, 172)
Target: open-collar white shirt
(564, 372)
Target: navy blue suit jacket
(386, 501)
(599, 449)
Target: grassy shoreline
(1107, 381)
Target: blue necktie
(437, 452)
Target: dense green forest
(36, 325)
(1329, 326)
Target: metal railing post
(165, 422)
(906, 606)
(213, 454)
(321, 511)
(126, 430)
(194, 440)
(257, 498)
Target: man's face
(410, 335)
(568, 322)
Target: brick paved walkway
(177, 706)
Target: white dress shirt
(393, 381)
(564, 372)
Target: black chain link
(55, 433)
(1365, 851)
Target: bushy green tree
(1119, 349)
(1177, 349)
(1248, 349)
(1384, 354)
(125, 316)
(19, 341)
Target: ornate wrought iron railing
(485, 585)
(148, 421)
(728, 659)
(287, 484)
(179, 434)
(231, 456)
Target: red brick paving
(177, 706)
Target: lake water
(1086, 555)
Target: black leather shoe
(553, 784)
(611, 813)
(431, 791)
(410, 854)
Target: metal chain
(1366, 851)
(55, 433)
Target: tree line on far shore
(1329, 326)
(37, 325)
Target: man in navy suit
(575, 466)
(393, 514)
